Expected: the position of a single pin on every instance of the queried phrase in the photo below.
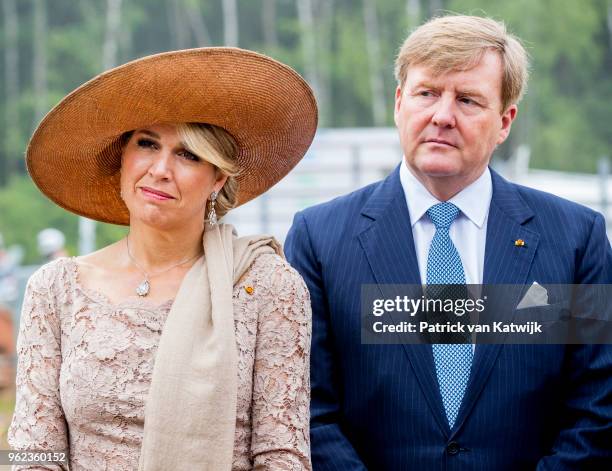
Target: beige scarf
(190, 414)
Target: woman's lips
(157, 195)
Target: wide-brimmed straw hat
(74, 155)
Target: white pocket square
(535, 296)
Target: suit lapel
(504, 263)
(385, 234)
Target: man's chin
(436, 166)
(439, 171)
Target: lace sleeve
(281, 389)
(38, 422)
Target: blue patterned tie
(453, 361)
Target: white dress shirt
(468, 232)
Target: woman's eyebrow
(148, 133)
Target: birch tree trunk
(324, 38)
(11, 84)
(176, 24)
(230, 23)
(268, 23)
(435, 7)
(609, 22)
(40, 60)
(377, 86)
(197, 24)
(309, 50)
(413, 13)
(111, 36)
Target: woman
(209, 331)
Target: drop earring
(212, 214)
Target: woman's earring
(212, 215)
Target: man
(444, 217)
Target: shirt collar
(473, 201)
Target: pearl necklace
(144, 287)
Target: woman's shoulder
(272, 265)
(271, 276)
(62, 272)
(50, 284)
(47, 275)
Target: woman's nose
(161, 167)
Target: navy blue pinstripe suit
(378, 407)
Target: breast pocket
(548, 313)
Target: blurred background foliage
(345, 49)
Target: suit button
(452, 448)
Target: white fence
(342, 160)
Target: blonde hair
(217, 147)
(458, 42)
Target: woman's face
(162, 183)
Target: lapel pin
(519, 243)
(249, 289)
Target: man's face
(450, 124)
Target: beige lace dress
(85, 366)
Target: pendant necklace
(144, 287)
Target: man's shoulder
(527, 202)
(547, 204)
(347, 204)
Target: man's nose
(444, 113)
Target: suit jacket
(378, 407)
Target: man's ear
(506, 122)
(398, 103)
